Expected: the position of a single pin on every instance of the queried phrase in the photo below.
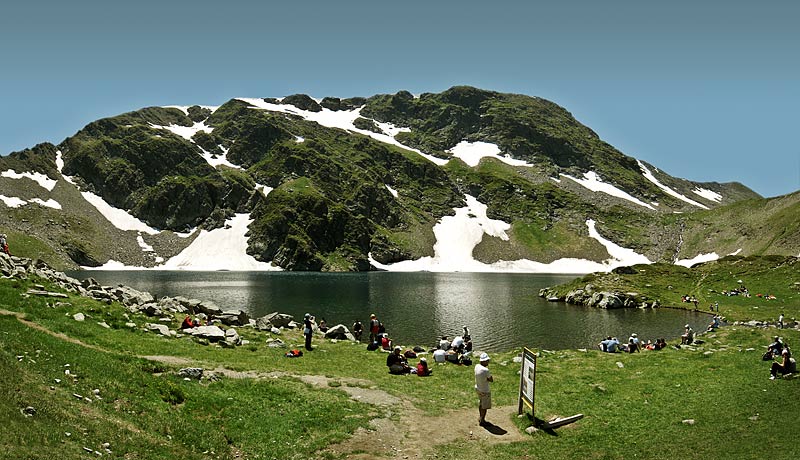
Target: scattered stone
(275, 343)
(131, 325)
(28, 411)
(339, 332)
(708, 353)
(77, 395)
(517, 359)
(211, 333)
(105, 325)
(161, 328)
(688, 421)
(191, 373)
(275, 330)
(78, 317)
(531, 429)
(620, 365)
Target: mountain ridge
(338, 184)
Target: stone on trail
(191, 372)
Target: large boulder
(234, 318)
(274, 319)
(160, 328)
(130, 296)
(339, 332)
(212, 333)
(607, 300)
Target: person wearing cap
(422, 368)
(397, 363)
(308, 330)
(482, 379)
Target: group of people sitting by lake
(634, 344)
(456, 351)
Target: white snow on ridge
(594, 183)
(12, 201)
(142, 244)
(391, 190)
(39, 178)
(186, 132)
(736, 252)
(472, 152)
(708, 194)
(219, 249)
(697, 259)
(342, 119)
(118, 217)
(649, 175)
(264, 189)
(457, 236)
(621, 256)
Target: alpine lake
(502, 310)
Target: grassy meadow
(711, 401)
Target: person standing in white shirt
(482, 379)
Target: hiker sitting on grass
(774, 349)
(187, 323)
(787, 365)
(397, 363)
(688, 336)
(422, 368)
(609, 345)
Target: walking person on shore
(374, 327)
(482, 379)
(308, 330)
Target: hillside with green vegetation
(338, 195)
(772, 286)
(106, 386)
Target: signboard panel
(527, 379)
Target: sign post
(527, 380)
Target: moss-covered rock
(303, 102)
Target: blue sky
(708, 91)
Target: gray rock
(160, 328)
(191, 372)
(276, 343)
(78, 317)
(212, 333)
(271, 320)
(234, 318)
(339, 332)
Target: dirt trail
(405, 432)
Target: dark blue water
(503, 311)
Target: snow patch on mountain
(41, 179)
(472, 152)
(391, 190)
(186, 132)
(14, 202)
(649, 176)
(119, 218)
(707, 194)
(219, 249)
(457, 236)
(697, 259)
(619, 256)
(342, 119)
(594, 183)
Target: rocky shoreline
(220, 325)
(590, 297)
